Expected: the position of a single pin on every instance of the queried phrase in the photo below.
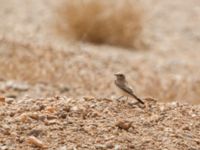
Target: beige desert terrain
(57, 66)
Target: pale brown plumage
(122, 84)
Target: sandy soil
(59, 94)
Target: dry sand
(59, 94)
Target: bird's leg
(126, 98)
(120, 98)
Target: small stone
(2, 99)
(67, 108)
(74, 108)
(41, 107)
(42, 118)
(117, 147)
(100, 146)
(4, 147)
(174, 104)
(57, 97)
(88, 98)
(36, 142)
(149, 99)
(62, 115)
(20, 139)
(124, 124)
(35, 132)
(50, 109)
(50, 122)
(9, 100)
(34, 116)
(14, 96)
(24, 118)
(12, 114)
(62, 148)
(51, 117)
(162, 108)
(197, 141)
(109, 145)
(186, 128)
(6, 131)
(132, 146)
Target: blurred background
(73, 48)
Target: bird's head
(120, 76)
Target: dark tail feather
(137, 98)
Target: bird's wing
(124, 87)
(127, 89)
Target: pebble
(124, 124)
(51, 117)
(109, 145)
(63, 148)
(100, 146)
(50, 109)
(2, 99)
(88, 98)
(35, 132)
(36, 142)
(67, 108)
(34, 116)
(9, 100)
(4, 147)
(117, 147)
(24, 118)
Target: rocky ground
(97, 123)
(58, 94)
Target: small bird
(122, 84)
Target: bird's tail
(137, 98)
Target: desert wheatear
(126, 90)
